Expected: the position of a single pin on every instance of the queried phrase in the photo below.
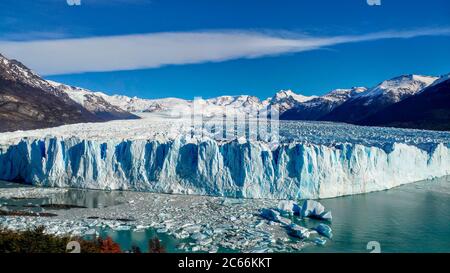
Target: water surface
(410, 218)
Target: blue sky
(160, 48)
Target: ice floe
(314, 209)
(324, 230)
(200, 223)
(299, 231)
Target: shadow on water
(75, 197)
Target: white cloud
(127, 52)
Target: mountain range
(28, 101)
(429, 109)
(371, 101)
(407, 101)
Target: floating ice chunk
(219, 230)
(195, 249)
(284, 221)
(270, 214)
(205, 241)
(192, 229)
(313, 209)
(326, 216)
(299, 231)
(141, 227)
(320, 241)
(286, 207)
(259, 224)
(213, 249)
(198, 236)
(90, 232)
(122, 227)
(324, 230)
(260, 250)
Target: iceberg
(313, 209)
(326, 216)
(324, 230)
(299, 231)
(284, 221)
(286, 207)
(320, 241)
(270, 214)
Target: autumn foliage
(108, 246)
(37, 241)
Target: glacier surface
(312, 160)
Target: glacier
(302, 169)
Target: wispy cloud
(127, 52)
(33, 35)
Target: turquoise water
(127, 239)
(410, 218)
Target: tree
(109, 246)
(155, 246)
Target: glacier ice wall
(233, 169)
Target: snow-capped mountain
(441, 79)
(135, 104)
(282, 100)
(316, 108)
(400, 87)
(429, 109)
(287, 99)
(373, 100)
(15, 71)
(94, 102)
(28, 101)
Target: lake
(410, 218)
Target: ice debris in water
(313, 209)
(319, 241)
(270, 214)
(286, 207)
(199, 223)
(299, 231)
(324, 230)
(27, 192)
(309, 208)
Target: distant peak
(401, 86)
(441, 79)
(412, 77)
(286, 94)
(16, 66)
(350, 90)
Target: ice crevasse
(233, 169)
